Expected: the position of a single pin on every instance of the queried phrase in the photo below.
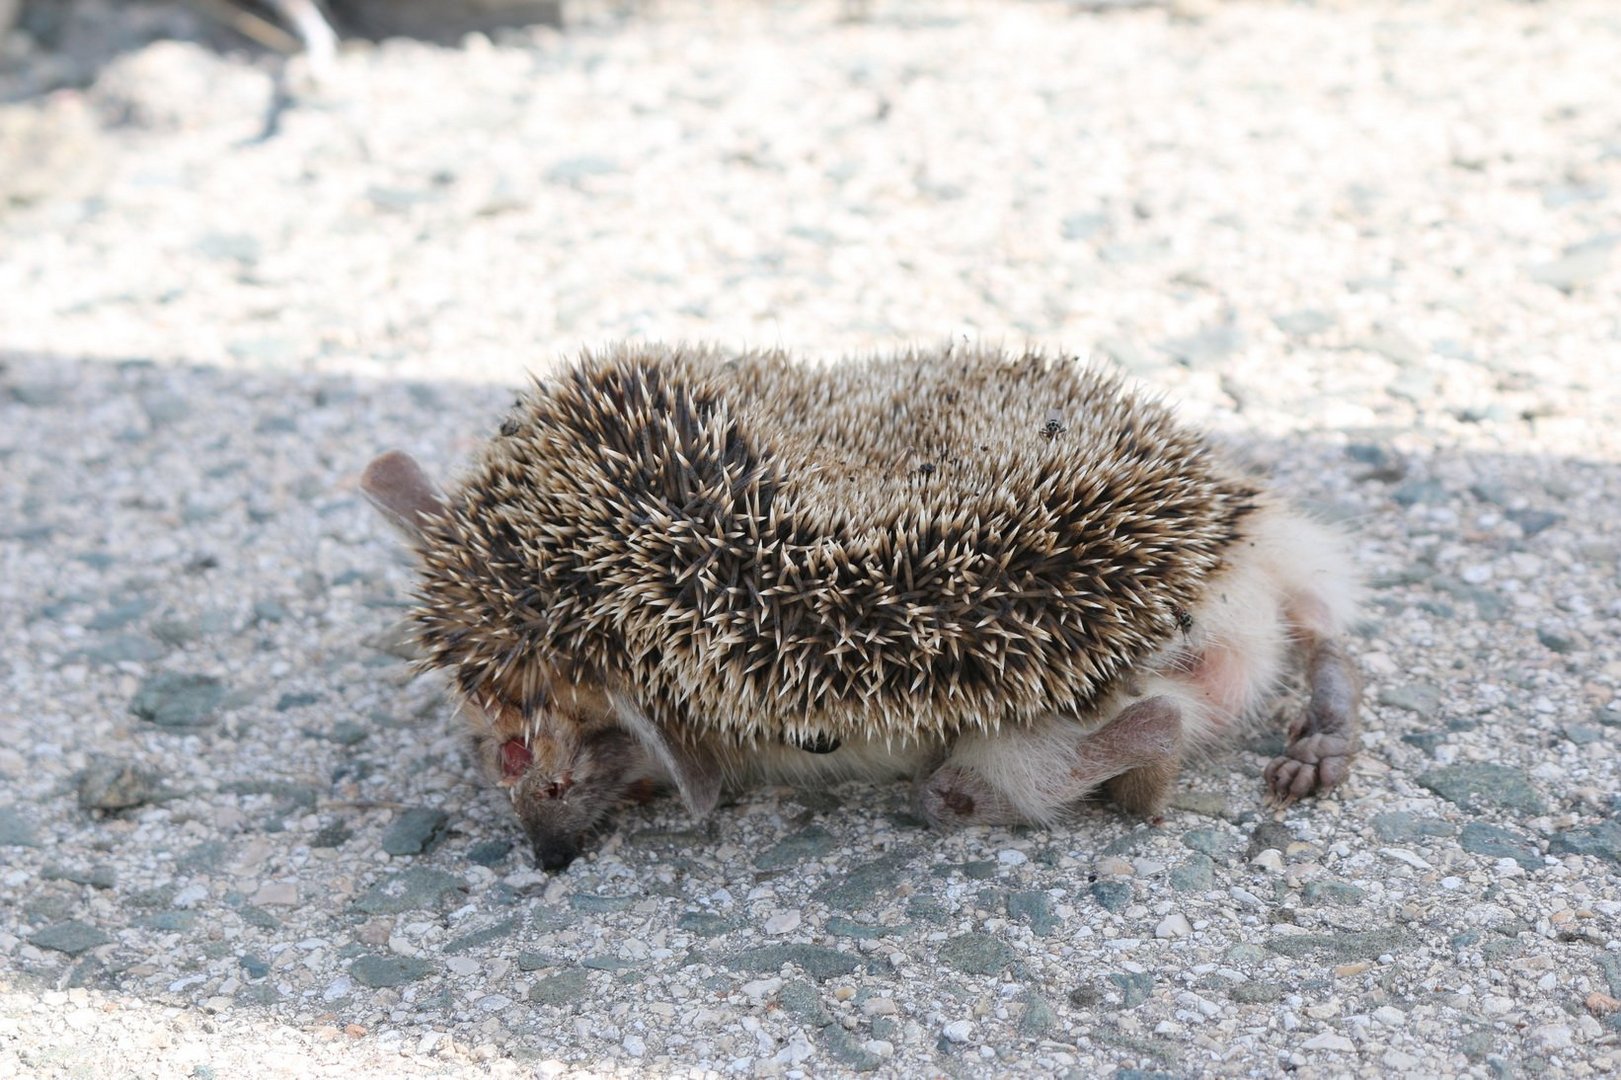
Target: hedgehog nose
(554, 854)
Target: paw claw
(1311, 764)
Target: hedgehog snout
(554, 852)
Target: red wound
(515, 758)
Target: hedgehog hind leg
(1039, 775)
(1323, 738)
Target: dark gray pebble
(561, 989)
(976, 954)
(1474, 785)
(1196, 873)
(1035, 908)
(72, 937)
(381, 971)
(1219, 844)
(178, 700)
(416, 831)
(16, 830)
(817, 962)
(799, 998)
(1340, 947)
(1112, 895)
(419, 888)
(843, 1048)
(1478, 838)
(1602, 840)
(808, 843)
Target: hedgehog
(1009, 576)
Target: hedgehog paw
(1312, 763)
(952, 797)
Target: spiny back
(890, 547)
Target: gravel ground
(1373, 244)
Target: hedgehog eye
(515, 758)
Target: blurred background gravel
(1372, 245)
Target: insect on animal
(688, 569)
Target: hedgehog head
(566, 750)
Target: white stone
(1549, 1037)
(1271, 860)
(879, 1006)
(1174, 925)
(784, 922)
(760, 989)
(634, 1045)
(1390, 1016)
(462, 965)
(1012, 857)
(1328, 1041)
(958, 1031)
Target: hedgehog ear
(696, 774)
(398, 487)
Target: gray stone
(819, 963)
(1209, 345)
(1532, 522)
(979, 869)
(1134, 986)
(868, 883)
(1219, 844)
(120, 615)
(476, 938)
(378, 971)
(100, 876)
(564, 988)
(843, 1048)
(1196, 873)
(607, 963)
(1112, 895)
(1268, 834)
(123, 649)
(1419, 491)
(573, 170)
(1602, 841)
(1039, 1017)
(1035, 908)
(1256, 993)
(1400, 826)
(178, 700)
(536, 961)
(253, 967)
(1555, 640)
(839, 926)
(1317, 893)
(799, 998)
(416, 889)
(1415, 697)
(416, 831)
(976, 954)
(1083, 226)
(489, 852)
(598, 905)
(1129, 355)
(1303, 323)
(16, 830)
(1085, 996)
(809, 843)
(1577, 267)
(1341, 947)
(72, 937)
(112, 784)
(1475, 785)
(1584, 734)
(705, 924)
(1478, 838)
(1392, 345)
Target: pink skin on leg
(1140, 748)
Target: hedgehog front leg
(1037, 775)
